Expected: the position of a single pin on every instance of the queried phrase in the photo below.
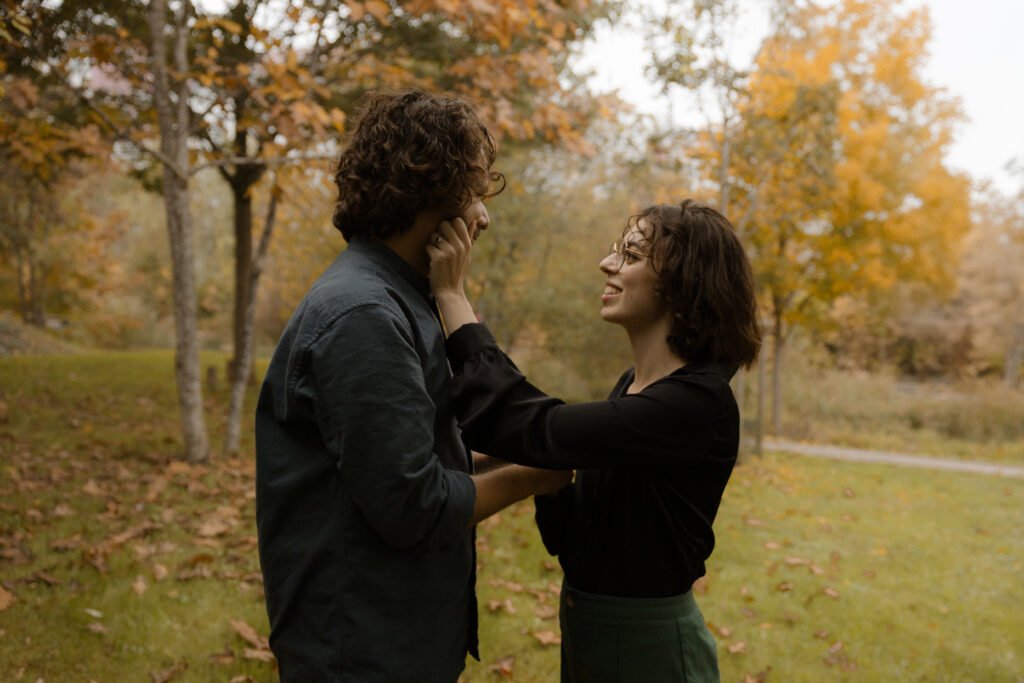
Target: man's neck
(411, 245)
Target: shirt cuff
(469, 339)
(453, 525)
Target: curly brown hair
(706, 280)
(411, 151)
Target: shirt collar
(381, 254)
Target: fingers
(456, 231)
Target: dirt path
(902, 459)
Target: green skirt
(607, 639)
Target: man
(365, 497)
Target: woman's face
(629, 297)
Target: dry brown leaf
(545, 612)
(249, 634)
(547, 637)
(224, 657)
(46, 578)
(784, 587)
(831, 592)
(771, 545)
(92, 488)
(503, 666)
(752, 521)
(724, 631)
(170, 673)
(97, 627)
(6, 598)
(737, 648)
(159, 572)
(796, 561)
(212, 527)
(139, 585)
(259, 655)
(62, 510)
(62, 545)
(821, 634)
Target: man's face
(476, 217)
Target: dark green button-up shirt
(363, 494)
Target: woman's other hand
(548, 482)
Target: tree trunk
(241, 182)
(779, 340)
(1014, 357)
(243, 366)
(173, 115)
(243, 262)
(760, 402)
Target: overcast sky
(977, 53)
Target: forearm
(499, 488)
(485, 463)
(456, 310)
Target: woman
(632, 533)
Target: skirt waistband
(629, 608)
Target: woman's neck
(653, 358)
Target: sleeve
(377, 417)
(502, 414)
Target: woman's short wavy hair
(411, 151)
(706, 280)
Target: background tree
(876, 203)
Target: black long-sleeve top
(652, 466)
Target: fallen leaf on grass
(752, 521)
(249, 634)
(831, 592)
(159, 572)
(771, 545)
(821, 634)
(139, 585)
(94, 613)
(225, 657)
(737, 648)
(64, 544)
(545, 612)
(503, 666)
(168, 674)
(784, 587)
(6, 598)
(92, 488)
(62, 510)
(259, 655)
(506, 604)
(796, 561)
(724, 631)
(547, 637)
(45, 578)
(97, 627)
(759, 677)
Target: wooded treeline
(165, 176)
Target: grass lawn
(118, 562)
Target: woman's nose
(609, 264)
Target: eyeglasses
(625, 254)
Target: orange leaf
(547, 637)
(6, 598)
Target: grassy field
(118, 562)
